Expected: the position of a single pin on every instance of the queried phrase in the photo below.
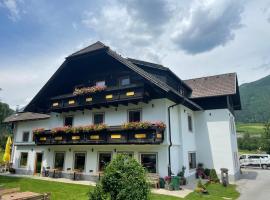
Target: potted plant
(168, 185)
(200, 171)
(181, 174)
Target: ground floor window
(79, 161)
(192, 160)
(149, 162)
(104, 159)
(59, 159)
(23, 159)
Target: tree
(266, 137)
(124, 179)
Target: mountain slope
(255, 98)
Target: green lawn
(252, 128)
(67, 191)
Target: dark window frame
(62, 152)
(68, 116)
(134, 110)
(192, 164)
(150, 153)
(98, 154)
(98, 113)
(23, 136)
(74, 159)
(190, 122)
(20, 164)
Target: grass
(252, 128)
(242, 151)
(67, 191)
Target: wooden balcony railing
(112, 135)
(110, 96)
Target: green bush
(98, 194)
(213, 176)
(124, 179)
(207, 172)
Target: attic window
(101, 83)
(123, 81)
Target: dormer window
(101, 83)
(123, 81)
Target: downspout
(170, 136)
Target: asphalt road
(254, 184)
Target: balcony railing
(112, 135)
(110, 96)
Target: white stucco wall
(212, 137)
(215, 142)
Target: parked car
(256, 160)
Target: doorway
(38, 163)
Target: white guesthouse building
(90, 110)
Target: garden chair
(153, 179)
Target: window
(25, 137)
(149, 162)
(190, 127)
(98, 118)
(59, 159)
(23, 160)
(192, 160)
(79, 162)
(68, 121)
(100, 83)
(124, 81)
(104, 159)
(134, 115)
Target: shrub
(98, 194)
(207, 172)
(124, 179)
(213, 176)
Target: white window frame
(136, 109)
(98, 157)
(19, 164)
(192, 152)
(191, 118)
(64, 119)
(28, 136)
(156, 153)
(98, 113)
(85, 160)
(64, 158)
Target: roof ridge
(147, 62)
(81, 51)
(203, 77)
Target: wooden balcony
(112, 135)
(109, 97)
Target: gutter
(170, 135)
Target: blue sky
(194, 38)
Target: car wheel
(264, 166)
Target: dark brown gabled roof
(93, 47)
(25, 116)
(219, 85)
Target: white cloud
(194, 27)
(209, 24)
(12, 6)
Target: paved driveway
(254, 184)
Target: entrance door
(38, 163)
